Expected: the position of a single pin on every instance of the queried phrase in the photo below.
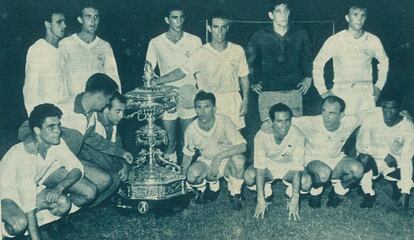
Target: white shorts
(229, 104)
(331, 162)
(358, 97)
(222, 166)
(279, 171)
(183, 113)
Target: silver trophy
(152, 176)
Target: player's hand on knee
(294, 209)
(390, 161)
(261, 208)
(53, 195)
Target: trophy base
(138, 192)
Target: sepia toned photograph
(214, 119)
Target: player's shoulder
(192, 126)
(337, 36)
(223, 118)
(38, 44)
(262, 133)
(295, 29)
(372, 116)
(296, 132)
(37, 48)
(371, 36)
(103, 42)
(192, 37)
(157, 38)
(234, 47)
(303, 121)
(408, 126)
(69, 40)
(264, 31)
(350, 121)
(224, 121)
(16, 150)
(201, 50)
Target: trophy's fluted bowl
(154, 99)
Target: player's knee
(105, 180)
(367, 161)
(250, 176)
(90, 192)
(18, 224)
(194, 173)
(238, 161)
(322, 175)
(357, 170)
(63, 206)
(306, 182)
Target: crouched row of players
(305, 153)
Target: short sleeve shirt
(169, 56)
(289, 153)
(217, 71)
(222, 136)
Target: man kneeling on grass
(33, 182)
(221, 148)
(278, 154)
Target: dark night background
(129, 24)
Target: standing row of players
(277, 64)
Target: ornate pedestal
(152, 177)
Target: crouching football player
(278, 154)
(221, 149)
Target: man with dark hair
(352, 51)
(325, 160)
(283, 56)
(386, 146)
(43, 76)
(106, 126)
(80, 114)
(278, 154)
(34, 182)
(84, 53)
(219, 67)
(169, 51)
(221, 149)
